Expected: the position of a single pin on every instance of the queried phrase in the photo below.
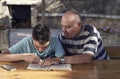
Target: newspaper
(52, 67)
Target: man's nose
(64, 29)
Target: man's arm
(75, 59)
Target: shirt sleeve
(91, 43)
(59, 51)
(19, 47)
(90, 46)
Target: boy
(35, 48)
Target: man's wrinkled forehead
(67, 19)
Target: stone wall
(109, 7)
(110, 39)
(4, 20)
(105, 8)
(4, 15)
(33, 15)
(4, 37)
(54, 22)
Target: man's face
(40, 47)
(69, 28)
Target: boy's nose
(41, 49)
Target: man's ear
(79, 24)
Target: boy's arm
(28, 57)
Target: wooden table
(95, 70)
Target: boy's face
(40, 47)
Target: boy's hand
(31, 58)
(48, 62)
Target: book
(8, 67)
(52, 67)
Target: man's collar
(80, 32)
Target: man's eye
(66, 26)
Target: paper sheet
(52, 67)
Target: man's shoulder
(88, 26)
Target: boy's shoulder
(28, 38)
(54, 38)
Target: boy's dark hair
(41, 33)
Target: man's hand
(31, 58)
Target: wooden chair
(113, 52)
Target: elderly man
(82, 43)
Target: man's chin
(67, 36)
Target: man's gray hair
(76, 14)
